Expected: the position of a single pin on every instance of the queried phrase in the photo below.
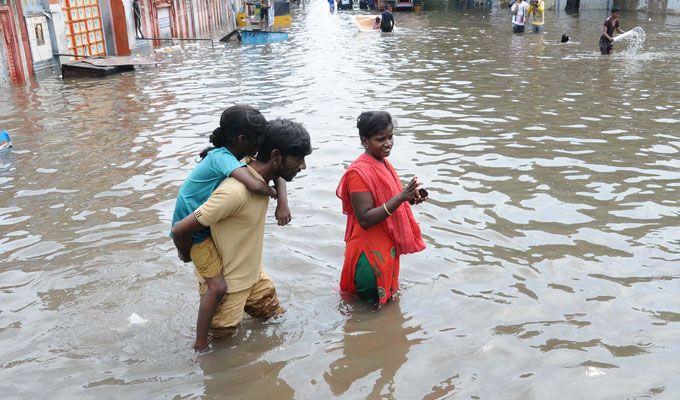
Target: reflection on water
(371, 359)
(552, 227)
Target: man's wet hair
(239, 119)
(565, 38)
(372, 122)
(290, 138)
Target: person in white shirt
(519, 10)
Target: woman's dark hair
(372, 122)
(236, 120)
(289, 137)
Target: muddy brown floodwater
(552, 268)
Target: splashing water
(636, 39)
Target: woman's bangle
(386, 210)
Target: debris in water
(5, 142)
(636, 39)
(135, 319)
(592, 371)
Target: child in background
(519, 12)
(610, 25)
(376, 24)
(236, 137)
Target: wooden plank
(114, 61)
(82, 69)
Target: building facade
(40, 34)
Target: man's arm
(182, 235)
(223, 202)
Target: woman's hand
(421, 195)
(410, 190)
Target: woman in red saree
(380, 224)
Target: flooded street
(553, 229)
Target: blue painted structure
(262, 37)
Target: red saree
(382, 243)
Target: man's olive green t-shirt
(236, 219)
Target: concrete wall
(130, 24)
(41, 48)
(585, 4)
(196, 21)
(561, 4)
(164, 22)
(4, 71)
(653, 6)
(59, 26)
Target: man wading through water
(236, 219)
(386, 20)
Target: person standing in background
(537, 15)
(137, 14)
(519, 15)
(264, 14)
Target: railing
(172, 40)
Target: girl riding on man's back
(235, 138)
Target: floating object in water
(255, 36)
(565, 38)
(365, 23)
(592, 371)
(262, 37)
(135, 319)
(635, 37)
(5, 142)
(637, 31)
(236, 33)
(99, 67)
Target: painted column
(11, 44)
(119, 24)
(4, 65)
(107, 26)
(20, 22)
